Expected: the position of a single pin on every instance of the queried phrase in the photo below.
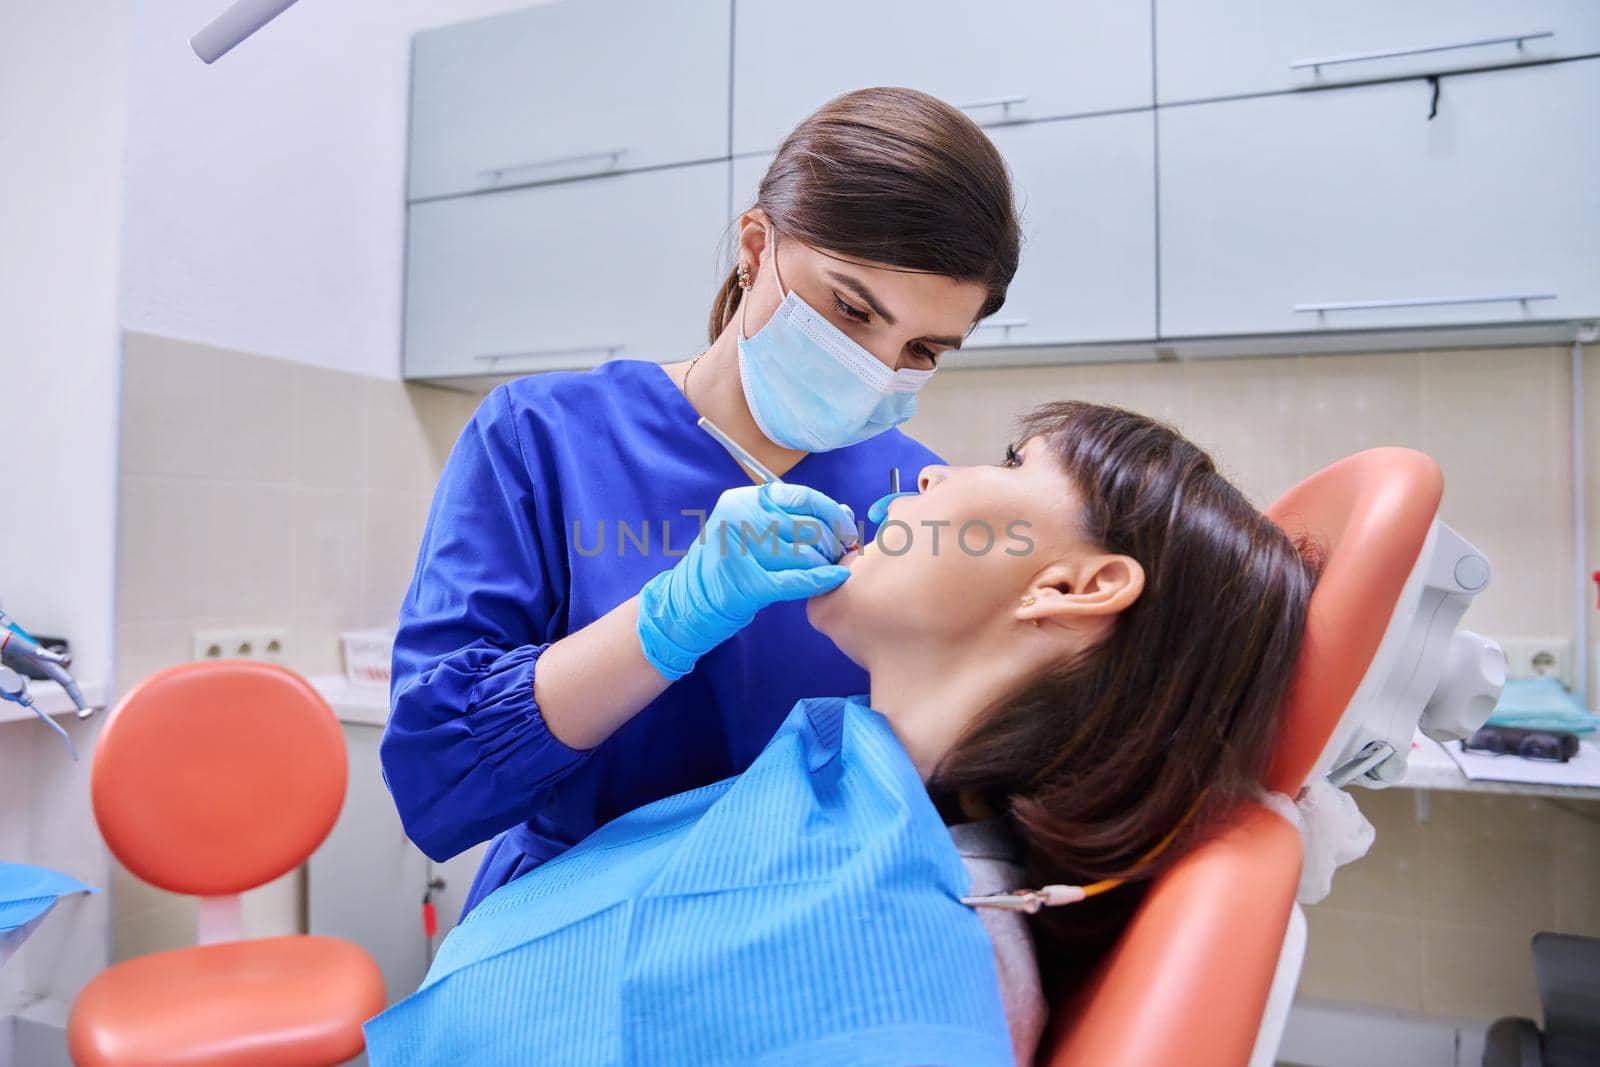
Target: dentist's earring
(744, 275)
(1025, 601)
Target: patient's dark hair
(1099, 759)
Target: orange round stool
(211, 779)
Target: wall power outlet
(1529, 657)
(270, 643)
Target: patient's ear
(1090, 590)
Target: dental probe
(737, 451)
(755, 466)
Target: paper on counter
(1582, 770)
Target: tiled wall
(1438, 917)
(257, 490)
(260, 491)
(1497, 421)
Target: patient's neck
(930, 696)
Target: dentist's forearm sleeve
(466, 753)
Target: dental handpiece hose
(14, 687)
(19, 648)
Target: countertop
(368, 705)
(1431, 767)
(53, 700)
(360, 705)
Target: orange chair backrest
(212, 778)
(1187, 981)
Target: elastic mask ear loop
(744, 300)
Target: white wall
(266, 193)
(63, 78)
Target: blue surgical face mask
(811, 388)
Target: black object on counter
(1552, 746)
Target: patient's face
(953, 560)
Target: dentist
(598, 616)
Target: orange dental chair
(1204, 973)
(210, 779)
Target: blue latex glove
(880, 507)
(760, 544)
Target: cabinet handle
(1391, 53)
(1424, 301)
(612, 156)
(1002, 324)
(533, 353)
(1002, 102)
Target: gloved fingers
(777, 540)
(804, 500)
(801, 503)
(804, 584)
(795, 556)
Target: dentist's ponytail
(897, 177)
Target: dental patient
(1076, 657)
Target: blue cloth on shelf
(26, 896)
(564, 495)
(28, 892)
(804, 913)
(1541, 703)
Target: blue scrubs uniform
(563, 496)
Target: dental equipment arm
(1425, 675)
(231, 27)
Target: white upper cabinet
(1000, 61)
(1086, 193)
(566, 275)
(569, 88)
(1352, 210)
(1214, 48)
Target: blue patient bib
(805, 912)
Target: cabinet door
(1000, 61)
(564, 276)
(568, 88)
(1211, 48)
(1275, 208)
(1085, 191)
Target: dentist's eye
(849, 312)
(1013, 457)
(926, 353)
